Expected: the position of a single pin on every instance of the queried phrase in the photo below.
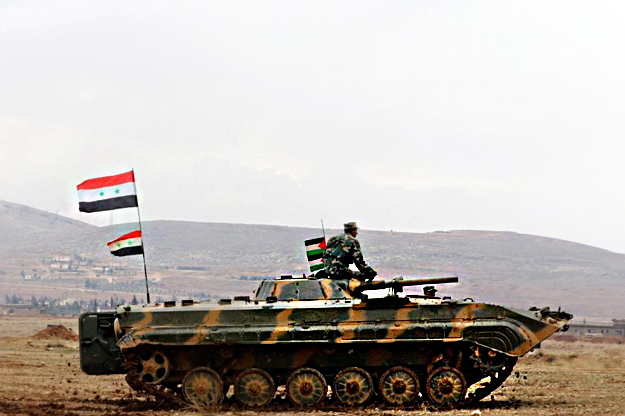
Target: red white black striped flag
(127, 245)
(108, 192)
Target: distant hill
(498, 267)
(23, 228)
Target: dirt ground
(41, 376)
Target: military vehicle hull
(306, 334)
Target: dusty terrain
(41, 376)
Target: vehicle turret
(289, 289)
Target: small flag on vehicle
(108, 192)
(314, 252)
(127, 245)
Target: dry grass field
(43, 377)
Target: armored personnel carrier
(311, 334)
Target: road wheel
(446, 387)
(306, 387)
(203, 387)
(399, 386)
(353, 386)
(254, 387)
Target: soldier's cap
(350, 226)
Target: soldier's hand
(370, 274)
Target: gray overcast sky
(403, 115)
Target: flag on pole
(314, 251)
(127, 245)
(108, 192)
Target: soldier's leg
(343, 275)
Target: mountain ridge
(502, 266)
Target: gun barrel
(400, 283)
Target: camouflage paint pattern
(324, 324)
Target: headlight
(117, 328)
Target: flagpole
(323, 229)
(145, 269)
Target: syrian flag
(314, 251)
(127, 245)
(108, 192)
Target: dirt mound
(56, 332)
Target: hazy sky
(403, 115)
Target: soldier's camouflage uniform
(341, 251)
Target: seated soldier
(343, 250)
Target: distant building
(19, 309)
(616, 328)
(61, 263)
(61, 259)
(33, 276)
(104, 269)
(245, 277)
